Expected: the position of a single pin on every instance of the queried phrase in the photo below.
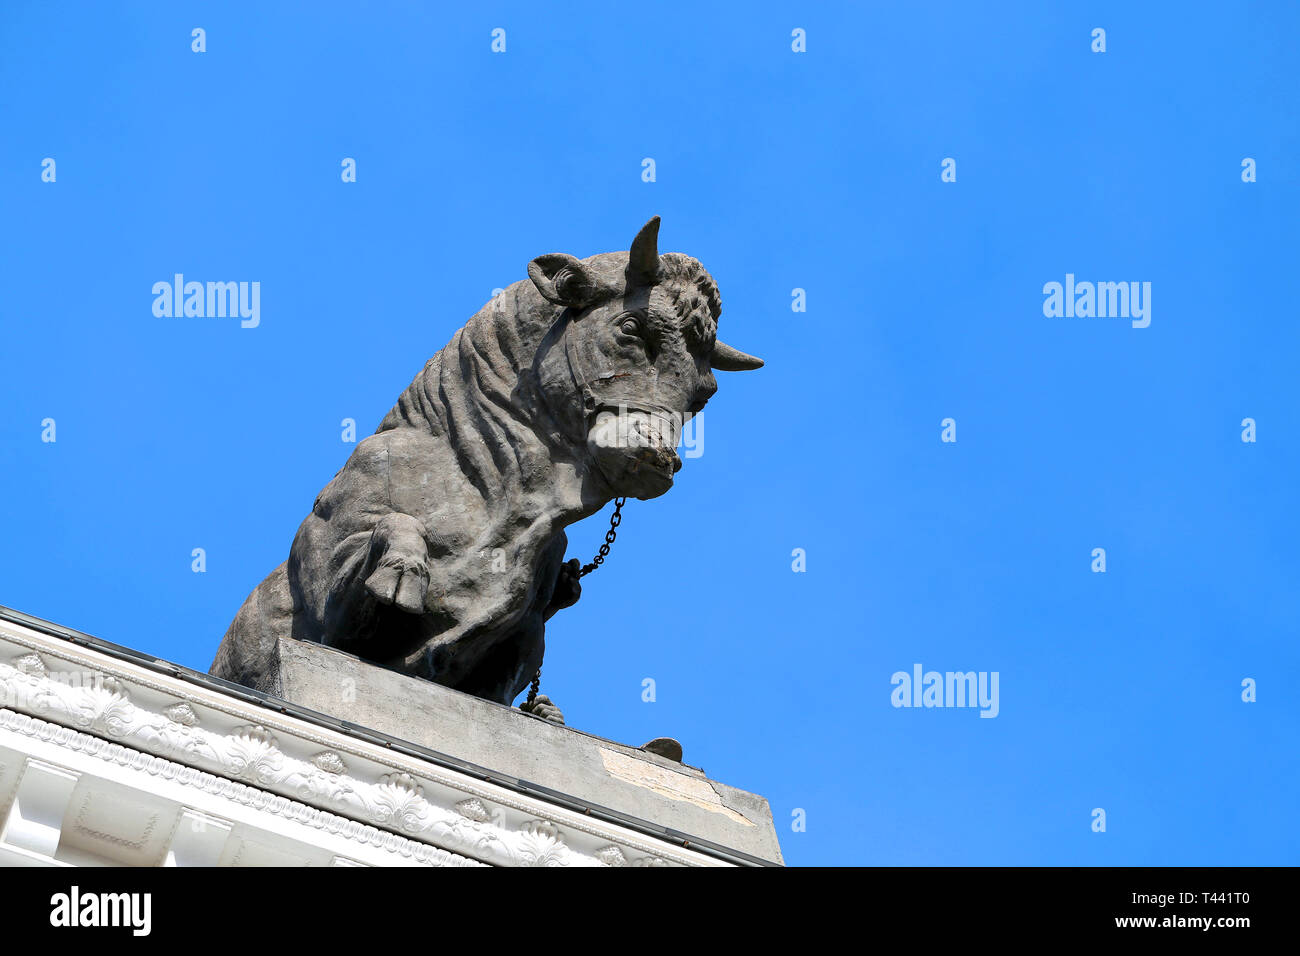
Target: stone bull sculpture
(438, 549)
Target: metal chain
(614, 521)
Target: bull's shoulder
(362, 484)
(383, 471)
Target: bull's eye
(630, 326)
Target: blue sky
(778, 170)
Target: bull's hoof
(399, 553)
(542, 707)
(402, 584)
(568, 585)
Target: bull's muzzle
(636, 449)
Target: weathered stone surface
(588, 768)
(439, 548)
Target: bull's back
(249, 653)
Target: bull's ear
(562, 279)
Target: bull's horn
(727, 359)
(643, 259)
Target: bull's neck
(506, 444)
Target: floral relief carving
(254, 755)
(31, 665)
(401, 802)
(182, 714)
(611, 856)
(473, 809)
(541, 845)
(330, 762)
(105, 705)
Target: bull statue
(438, 549)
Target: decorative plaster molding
(330, 762)
(81, 826)
(182, 714)
(382, 791)
(473, 809)
(247, 796)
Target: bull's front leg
(565, 593)
(399, 563)
(568, 587)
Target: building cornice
(90, 701)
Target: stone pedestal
(543, 757)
